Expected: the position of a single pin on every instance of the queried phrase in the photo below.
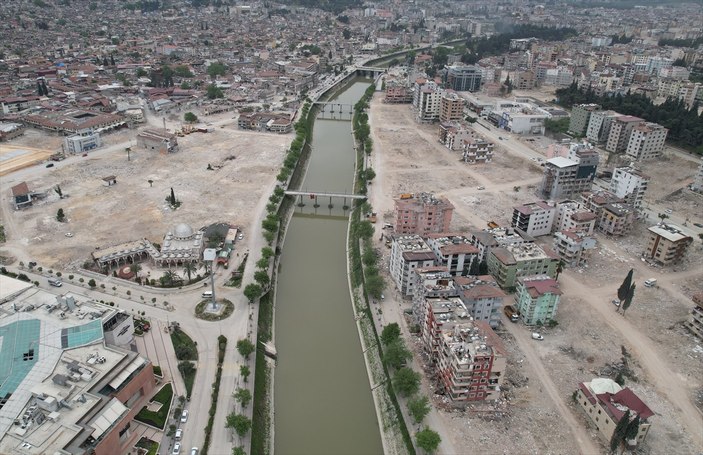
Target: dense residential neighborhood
(508, 196)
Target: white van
(207, 294)
(55, 282)
(650, 282)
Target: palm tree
(189, 268)
(169, 277)
(663, 216)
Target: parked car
(616, 302)
(184, 416)
(481, 187)
(69, 234)
(650, 282)
(669, 211)
(179, 433)
(537, 336)
(194, 451)
(698, 225)
(176, 448)
(50, 165)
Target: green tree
(92, 283)
(267, 252)
(252, 291)
(428, 440)
(619, 432)
(216, 69)
(262, 277)
(560, 268)
(60, 216)
(395, 355)
(238, 451)
(419, 407)
(245, 347)
(633, 429)
(213, 91)
(239, 422)
(189, 268)
(375, 286)
(406, 381)
(365, 229)
(244, 371)
(390, 333)
(135, 268)
(262, 263)
(190, 117)
(624, 288)
(243, 396)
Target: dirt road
(643, 349)
(578, 430)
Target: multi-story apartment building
(697, 184)
(493, 238)
(573, 217)
(534, 218)
(429, 103)
(397, 92)
(620, 133)
(467, 359)
(566, 177)
(525, 80)
(537, 299)
(82, 142)
(482, 297)
(451, 107)
(408, 253)
(573, 247)
(646, 141)
(605, 403)
(695, 320)
(454, 252)
(455, 135)
(599, 124)
(616, 219)
(463, 78)
(422, 213)
(507, 264)
(667, 244)
(630, 185)
(580, 117)
(477, 151)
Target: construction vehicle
(406, 196)
(493, 224)
(511, 313)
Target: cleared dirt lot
(245, 164)
(590, 335)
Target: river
(323, 403)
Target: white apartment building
(573, 217)
(534, 218)
(453, 252)
(697, 184)
(428, 104)
(573, 247)
(646, 141)
(477, 151)
(599, 125)
(620, 133)
(629, 184)
(408, 253)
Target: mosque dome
(182, 231)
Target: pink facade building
(422, 213)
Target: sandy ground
(540, 416)
(100, 216)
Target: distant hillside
(335, 6)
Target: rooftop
(669, 232)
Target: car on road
(176, 448)
(616, 302)
(669, 211)
(50, 165)
(240, 237)
(537, 336)
(481, 187)
(194, 451)
(184, 416)
(69, 234)
(698, 225)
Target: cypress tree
(624, 288)
(619, 432)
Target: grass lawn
(158, 419)
(152, 446)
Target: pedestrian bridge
(370, 71)
(315, 195)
